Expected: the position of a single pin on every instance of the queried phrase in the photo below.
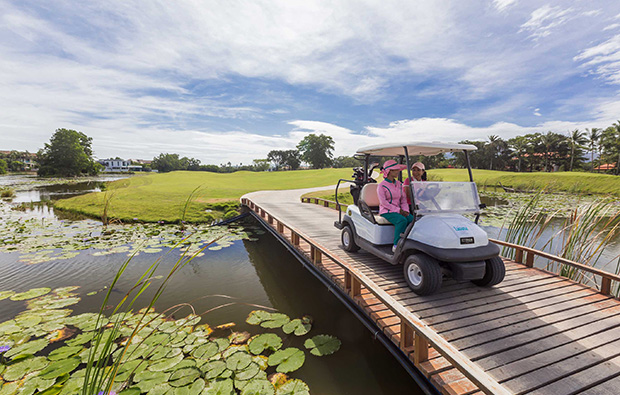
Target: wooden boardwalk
(535, 333)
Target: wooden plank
(574, 299)
(510, 350)
(583, 379)
(607, 387)
(567, 317)
(560, 361)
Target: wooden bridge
(535, 333)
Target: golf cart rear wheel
(348, 240)
(423, 274)
(494, 273)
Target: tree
(346, 161)
(166, 162)
(68, 154)
(261, 164)
(593, 137)
(610, 143)
(3, 166)
(277, 158)
(493, 144)
(519, 145)
(577, 140)
(292, 159)
(316, 150)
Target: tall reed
(188, 201)
(99, 375)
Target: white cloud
(503, 5)
(544, 19)
(603, 59)
(537, 112)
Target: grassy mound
(172, 197)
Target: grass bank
(163, 197)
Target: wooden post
(605, 285)
(279, 227)
(326, 203)
(420, 350)
(347, 282)
(262, 213)
(316, 200)
(294, 238)
(519, 255)
(270, 219)
(529, 259)
(406, 335)
(315, 255)
(356, 287)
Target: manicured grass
(162, 197)
(571, 182)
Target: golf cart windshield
(446, 197)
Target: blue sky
(231, 80)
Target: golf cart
(440, 240)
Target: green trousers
(400, 223)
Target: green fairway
(162, 197)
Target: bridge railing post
(420, 350)
(406, 335)
(529, 259)
(519, 255)
(316, 256)
(279, 227)
(605, 285)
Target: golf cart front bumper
(455, 254)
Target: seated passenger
(392, 201)
(418, 173)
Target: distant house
(29, 160)
(118, 166)
(605, 166)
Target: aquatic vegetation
(44, 239)
(163, 356)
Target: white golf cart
(440, 241)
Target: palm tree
(577, 140)
(593, 137)
(519, 145)
(493, 141)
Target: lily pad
(6, 294)
(193, 389)
(183, 377)
(213, 369)
(31, 347)
(58, 368)
(321, 345)
(287, 360)
(64, 352)
(222, 387)
(248, 373)
(239, 337)
(275, 321)
(20, 369)
(82, 338)
(294, 387)
(206, 351)
(165, 363)
(147, 380)
(30, 294)
(297, 326)
(238, 361)
(126, 369)
(258, 387)
(257, 316)
(266, 341)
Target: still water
(259, 271)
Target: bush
(6, 193)
(231, 214)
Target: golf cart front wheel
(423, 274)
(348, 240)
(494, 273)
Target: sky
(230, 80)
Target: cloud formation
(229, 81)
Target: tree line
(549, 151)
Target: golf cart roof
(414, 148)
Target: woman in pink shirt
(392, 201)
(418, 173)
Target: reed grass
(582, 237)
(99, 375)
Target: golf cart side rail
(414, 332)
(530, 254)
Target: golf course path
(534, 333)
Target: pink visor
(390, 165)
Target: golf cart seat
(369, 205)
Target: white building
(118, 166)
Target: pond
(247, 266)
